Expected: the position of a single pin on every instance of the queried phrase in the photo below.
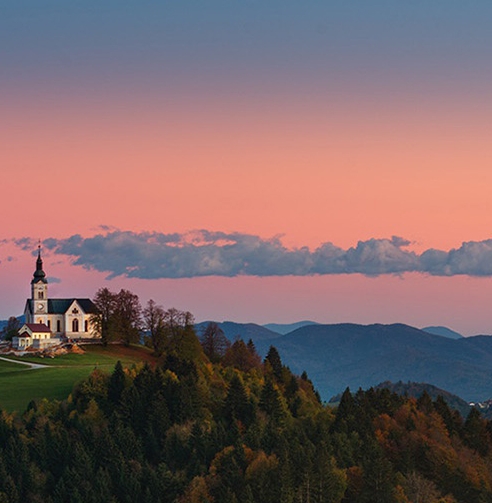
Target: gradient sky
(309, 122)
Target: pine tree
(270, 401)
(116, 383)
(237, 405)
(475, 432)
(273, 358)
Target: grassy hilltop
(19, 384)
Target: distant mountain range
(341, 355)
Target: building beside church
(61, 318)
(35, 335)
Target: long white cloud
(153, 255)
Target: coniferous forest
(213, 423)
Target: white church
(49, 321)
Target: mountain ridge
(341, 355)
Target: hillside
(336, 356)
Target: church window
(40, 295)
(75, 311)
(86, 325)
(75, 325)
(58, 326)
(48, 323)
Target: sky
(251, 161)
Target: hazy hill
(285, 328)
(443, 331)
(337, 356)
(244, 330)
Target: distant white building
(35, 335)
(71, 318)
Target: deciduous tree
(128, 316)
(104, 320)
(214, 342)
(153, 318)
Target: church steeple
(39, 291)
(39, 275)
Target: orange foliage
(412, 432)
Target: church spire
(39, 274)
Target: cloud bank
(153, 255)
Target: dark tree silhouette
(214, 342)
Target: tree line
(121, 317)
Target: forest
(212, 422)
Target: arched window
(86, 325)
(58, 325)
(48, 323)
(75, 325)
(40, 295)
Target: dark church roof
(60, 306)
(37, 327)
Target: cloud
(473, 258)
(153, 255)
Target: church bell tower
(39, 288)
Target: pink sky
(311, 173)
(327, 124)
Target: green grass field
(20, 384)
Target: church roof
(37, 327)
(60, 306)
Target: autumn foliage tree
(241, 356)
